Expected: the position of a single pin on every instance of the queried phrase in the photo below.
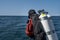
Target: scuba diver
(29, 27)
(34, 28)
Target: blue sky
(21, 7)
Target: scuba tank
(48, 26)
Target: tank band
(50, 32)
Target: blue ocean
(13, 27)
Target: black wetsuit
(39, 33)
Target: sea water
(13, 27)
